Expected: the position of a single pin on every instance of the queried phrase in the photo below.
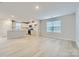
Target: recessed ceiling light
(37, 7)
(12, 16)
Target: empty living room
(39, 29)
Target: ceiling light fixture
(12, 16)
(37, 7)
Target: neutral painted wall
(68, 28)
(77, 27)
(5, 25)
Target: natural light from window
(54, 26)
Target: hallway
(34, 46)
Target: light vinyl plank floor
(34, 46)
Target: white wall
(68, 28)
(5, 25)
(77, 27)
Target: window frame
(53, 31)
(18, 28)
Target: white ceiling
(26, 10)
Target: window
(18, 26)
(54, 26)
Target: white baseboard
(58, 38)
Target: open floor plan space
(39, 29)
